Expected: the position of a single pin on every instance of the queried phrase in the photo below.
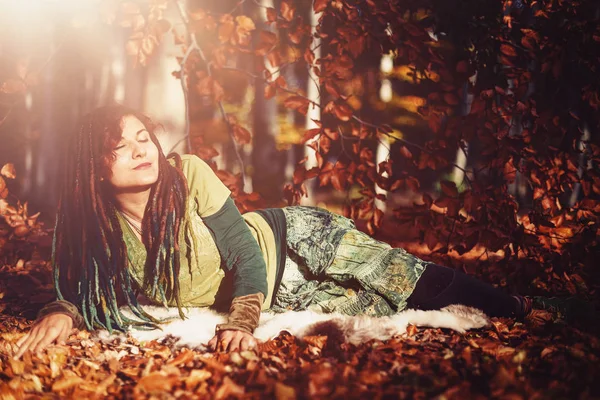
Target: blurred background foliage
(471, 127)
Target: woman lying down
(132, 222)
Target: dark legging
(441, 286)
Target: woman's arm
(54, 322)
(236, 334)
(242, 256)
(240, 253)
(62, 307)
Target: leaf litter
(538, 358)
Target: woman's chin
(136, 187)
(144, 181)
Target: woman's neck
(133, 204)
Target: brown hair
(89, 255)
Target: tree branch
(354, 117)
(195, 47)
(184, 88)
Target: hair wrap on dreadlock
(89, 255)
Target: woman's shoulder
(199, 175)
(204, 185)
(192, 165)
(186, 159)
(191, 158)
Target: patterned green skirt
(333, 267)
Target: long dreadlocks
(89, 254)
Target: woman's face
(136, 158)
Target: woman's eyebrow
(137, 133)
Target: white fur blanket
(199, 328)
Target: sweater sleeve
(62, 307)
(240, 253)
(207, 190)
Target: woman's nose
(138, 150)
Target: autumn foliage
(16, 221)
(510, 83)
(514, 84)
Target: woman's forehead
(132, 126)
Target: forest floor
(537, 359)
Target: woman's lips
(144, 165)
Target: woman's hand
(54, 327)
(232, 340)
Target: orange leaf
(343, 112)
(241, 134)
(197, 14)
(133, 46)
(226, 29)
(331, 89)
(324, 144)
(196, 376)
(316, 341)
(66, 383)
(228, 389)
(325, 174)
(274, 58)
(8, 171)
(538, 193)
(377, 217)
(271, 14)
(148, 44)
(245, 23)
(13, 86)
(311, 133)
(280, 81)
(205, 152)
(267, 41)
(297, 35)
(435, 123)
(183, 358)
(397, 185)
(270, 91)
(529, 43)
(21, 231)
(508, 50)
(297, 103)
(413, 183)
(287, 11)
(338, 179)
(431, 239)
(370, 229)
(510, 172)
(156, 383)
(405, 152)
(320, 5)
(411, 330)
(309, 56)
(357, 46)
